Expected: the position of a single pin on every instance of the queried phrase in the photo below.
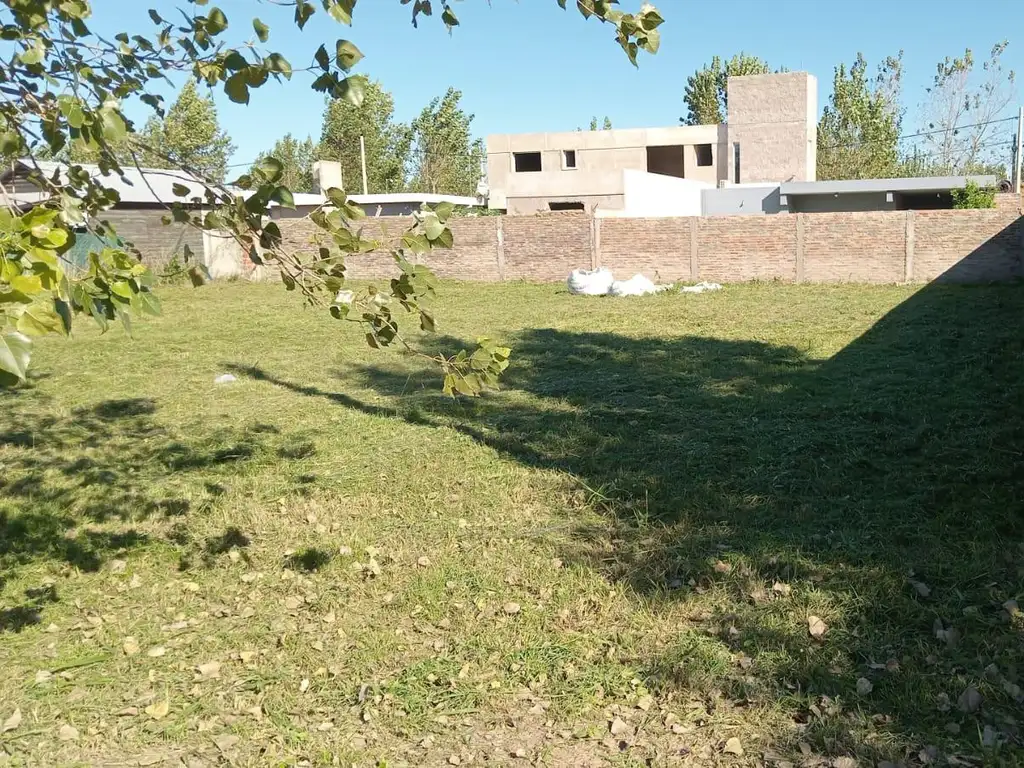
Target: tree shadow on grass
(78, 488)
(881, 490)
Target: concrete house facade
(770, 136)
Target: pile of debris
(601, 282)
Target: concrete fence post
(800, 224)
(694, 262)
(908, 262)
(595, 242)
(499, 234)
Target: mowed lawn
(772, 525)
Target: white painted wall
(651, 194)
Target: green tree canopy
(859, 130)
(387, 141)
(297, 158)
(707, 95)
(66, 88)
(188, 136)
(446, 159)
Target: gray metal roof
(136, 185)
(861, 186)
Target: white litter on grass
(344, 297)
(225, 378)
(637, 285)
(700, 288)
(590, 282)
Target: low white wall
(651, 194)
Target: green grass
(666, 489)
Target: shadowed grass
(638, 526)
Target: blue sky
(525, 65)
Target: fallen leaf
(844, 762)
(304, 685)
(745, 661)
(159, 709)
(864, 686)
(226, 741)
(722, 567)
(128, 712)
(781, 589)
(733, 747)
(67, 733)
(131, 646)
(921, 588)
(423, 562)
(618, 727)
(679, 728)
(512, 608)
(156, 651)
(247, 656)
(816, 627)
(645, 703)
(345, 551)
(209, 671)
(43, 676)
(942, 702)
(970, 700)
(118, 566)
(11, 722)
(454, 760)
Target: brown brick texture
(867, 247)
(157, 242)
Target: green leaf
(277, 63)
(340, 10)
(284, 197)
(33, 55)
(432, 227)
(262, 30)
(15, 352)
(303, 10)
(444, 211)
(63, 309)
(348, 55)
(40, 319)
(216, 22)
(427, 322)
(237, 88)
(352, 90)
(322, 58)
(147, 303)
(179, 190)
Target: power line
(953, 129)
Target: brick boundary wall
(864, 247)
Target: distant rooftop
(912, 185)
(135, 185)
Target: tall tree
(446, 159)
(707, 96)
(605, 126)
(188, 136)
(859, 130)
(387, 141)
(297, 157)
(961, 110)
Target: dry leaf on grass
(130, 646)
(67, 733)
(722, 567)
(43, 676)
(209, 671)
(423, 562)
(921, 588)
(226, 741)
(781, 589)
(645, 703)
(864, 686)
(733, 747)
(816, 627)
(970, 700)
(618, 727)
(156, 651)
(159, 709)
(512, 608)
(12, 722)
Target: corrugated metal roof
(135, 185)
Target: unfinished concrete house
(770, 136)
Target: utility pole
(1017, 154)
(363, 156)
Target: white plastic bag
(637, 285)
(590, 282)
(700, 288)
